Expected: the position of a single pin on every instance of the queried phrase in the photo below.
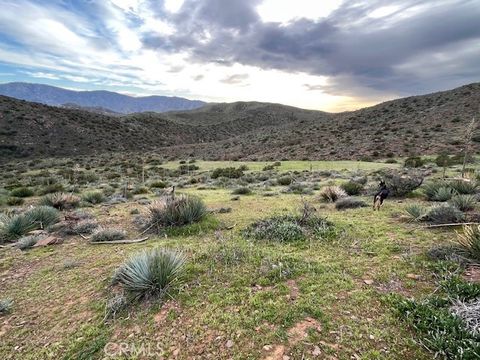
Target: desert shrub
(284, 180)
(332, 193)
(151, 273)
(93, 197)
(414, 162)
(469, 313)
(102, 235)
(15, 201)
(27, 242)
(52, 188)
(416, 211)
(464, 187)
(42, 216)
(469, 240)
(115, 305)
(401, 184)
(299, 189)
(291, 228)
(22, 192)
(349, 203)
(444, 214)
(182, 210)
(443, 193)
(464, 202)
(5, 306)
(140, 190)
(242, 191)
(443, 160)
(60, 201)
(352, 187)
(84, 227)
(158, 184)
(229, 172)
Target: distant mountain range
(106, 100)
(418, 125)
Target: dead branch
(119, 241)
(454, 224)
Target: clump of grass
(332, 193)
(5, 306)
(349, 203)
(291, 228)
(352, 188)
(464, 202)
(93, 197)
(158, 184)
(243, 190)
(444, 214)
(182, 210)
(470, 240)
(151, 273)
(22, 192)
(28, 242)
(464, 187)
(61, 201)
(102, 235)
(14, 226)
(416, 211)
(15, 201)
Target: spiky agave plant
(42, 216)
(151, 273)
(416, 211)
(14, 226)
(182, 210)
(469, 240)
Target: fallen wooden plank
(119, 241)
(454, 224)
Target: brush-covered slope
(427, 124)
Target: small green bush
(27, 242)
(444, 214)
(182, 210)
(52, 188)
(443, 194)
(102, 235)
(151, 273)
(414, 162)
(22, 192)
(93, 197)
(242, 191)
(158, 184)
(416, 211)
(349, 203)
(5, 306)
(352, 188)
(15, 201)
(284, 180)
(229, 172)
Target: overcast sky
(318, 54)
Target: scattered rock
(368, 281)
(316, 351)
(229, 344)
(49, 240)
(414, 276)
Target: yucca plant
(464, 202)
(182, 210)
(464, 187)
(430, 189)
(14, 226)
(5, 305)
(42, 216)
(416, 211)
(332, 193)
(60, 201)
(93, 197)
(469, 240)
(443, 193)
(151, 273)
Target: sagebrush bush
(444, 214)
(60, 201)
(182, 210)
(93, 197)
(284, 180)
(151, 273)
(5, 305)
(349, 203)
(22, 192)
(352, 188)
(332, 193)
(464, 202)
(102, 235)
(158, 184)
(401, 184)
(15, 201)
(27, 242)
(242, 191)
(469, 240)
(229, 172)
(416, 211)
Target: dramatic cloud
(330, 55)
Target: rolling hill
(426, 124)
(109, 101)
